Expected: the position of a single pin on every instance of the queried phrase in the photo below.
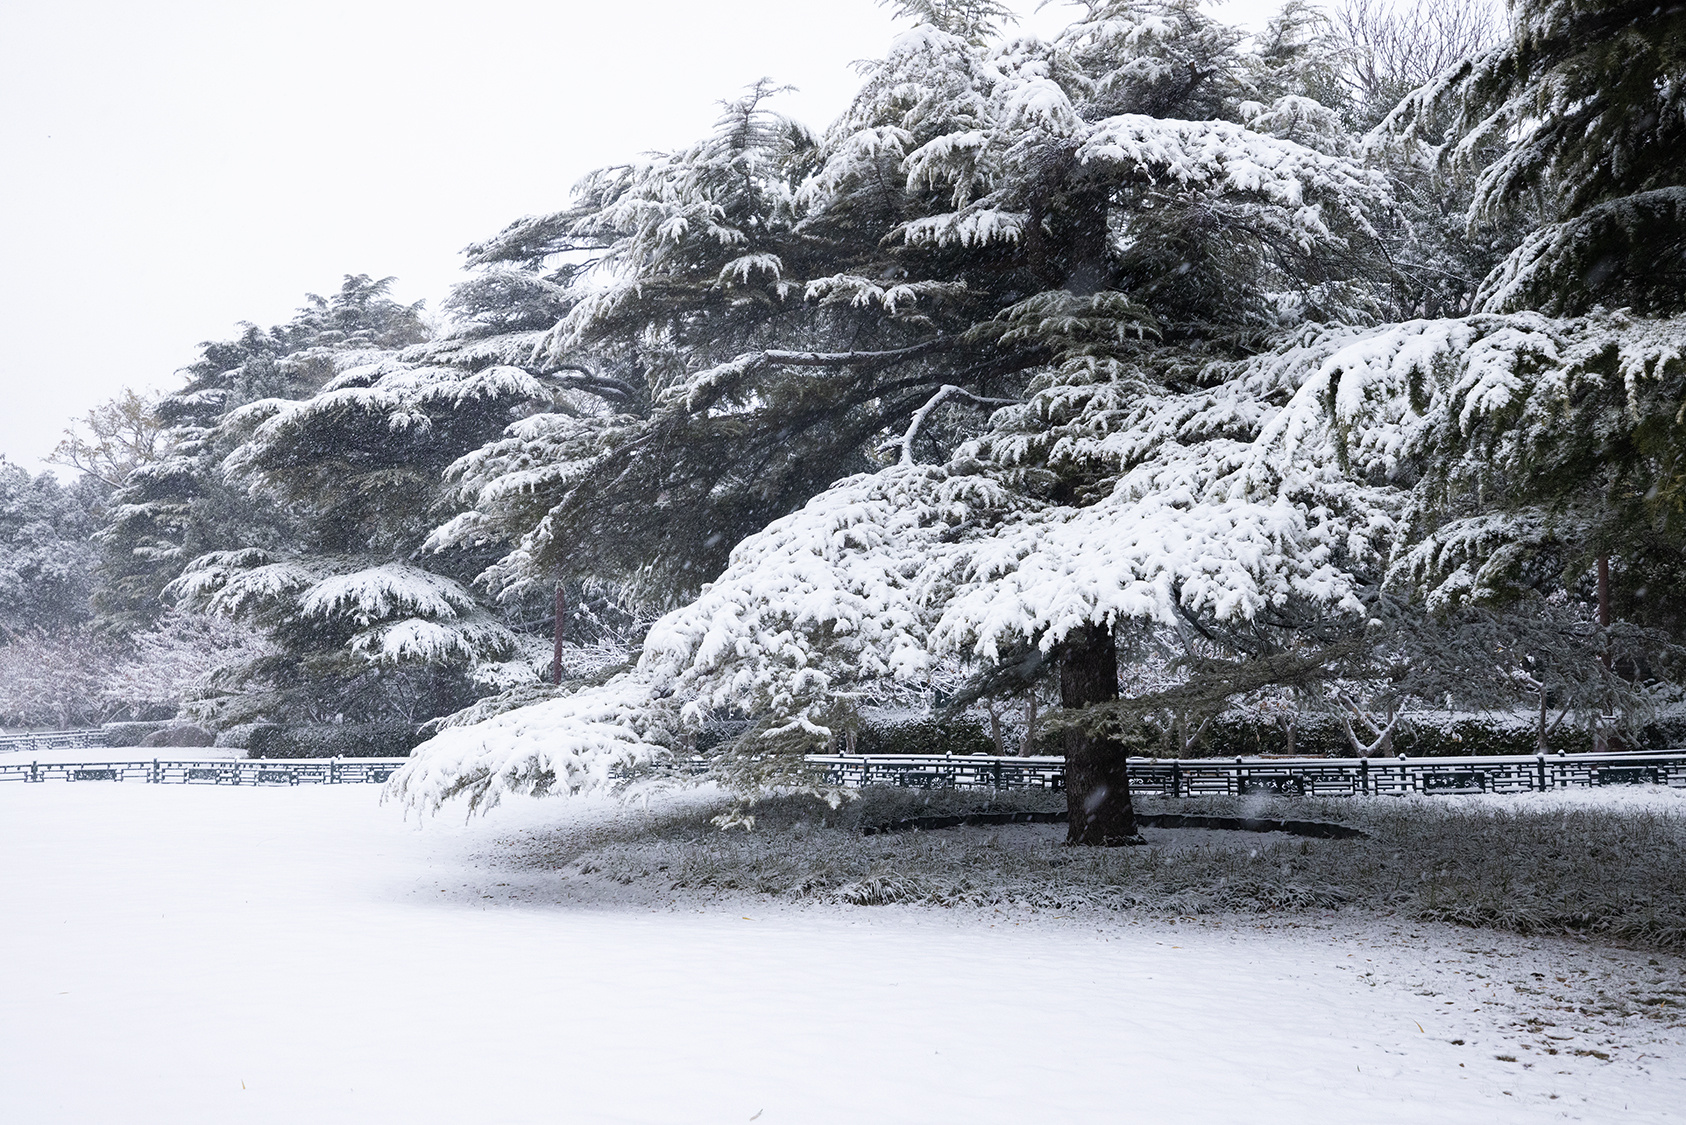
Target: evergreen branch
(592, 382)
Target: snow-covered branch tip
(948, 390)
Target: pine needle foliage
(1584, 109)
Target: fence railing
(1191, 777)
(52, 740)
(1321, 777)
(211, 771)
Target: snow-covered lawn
(180, 954)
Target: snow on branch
(1465, 400)
(708, 386)
(948, 391)
(571, 745)
(377, 593)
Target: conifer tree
(1078, 235)
(366, 625)
(177, 505)
(45, 556)
(1539, 442)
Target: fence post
(1176, 778)
(1542, 772)
(157, 776)
(1364, 776)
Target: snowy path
(176, 954)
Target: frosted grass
(1601, 865)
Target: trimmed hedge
(1418, 739)
(925, 736)
(333, 740)
(1314, 737)
(180, 735)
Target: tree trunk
(561, 616)
(1097, 782)
(1600, 732)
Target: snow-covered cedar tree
(764, 308)
(1534, 442)
(1521, 444)
(175, 504)
(46, 557)
(367, 625)
(1080, 235)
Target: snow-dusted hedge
(332, 740)
(1420, 736)
(932, 735)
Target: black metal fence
(1321, 777)
(37, 741)
(1193, 777)
(211, 771)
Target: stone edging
(1316, 829)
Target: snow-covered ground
(180, 954)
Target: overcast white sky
(174, 167)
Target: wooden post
(561, 614)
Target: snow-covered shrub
(238, 736)
(577, 743)
(180, 735)
(177, 661)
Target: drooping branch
(707, 387)
(1212, 683)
